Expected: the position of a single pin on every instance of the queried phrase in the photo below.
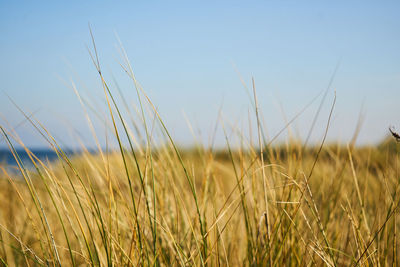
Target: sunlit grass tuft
(252, 204)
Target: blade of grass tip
(214, 134)
(98, 114)
(152, 224)
(187, 175)
(34, 196)
(90, 124)
(22, 122)
(105, 236)
(202, 156)
(261, 145)
(313, 166)
(357, 130)
(106, 167)
(251, 99)
(197, 142)
(298, 162)
(294, 118)
(132, 150)
(312, 170)
(310, 174)
(324, 138)
(135, 126)
(104, 163)
(322, 103)
(96, 59)
(105, 87)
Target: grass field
(251, 204)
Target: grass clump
(158, 205)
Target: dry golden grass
(142, 205)
(344, 214)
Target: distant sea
(7, 158)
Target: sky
(190, 57)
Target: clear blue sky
(183, 53)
